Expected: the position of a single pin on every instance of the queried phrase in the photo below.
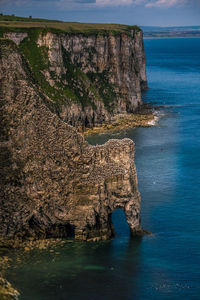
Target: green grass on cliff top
(20, 23)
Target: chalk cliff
(91, 77)
(52, 182)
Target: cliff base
(146, 116)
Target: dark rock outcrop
(52, 182)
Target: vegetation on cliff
(19, 23)
(53, 183)
(98, 69)
(82, 88)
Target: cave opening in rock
(120, 225)
(53, 231)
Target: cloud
(97, 3)
(146, 3)
(24, 2)
(164, 3)
(113, 2)
(87, 4)
(3, 2)
(78, 4)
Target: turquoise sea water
(165, 265)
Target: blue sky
(140, 12)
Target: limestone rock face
(16, 37)
(119, 58)
(122, 55)
(96, 77)
(53, 183)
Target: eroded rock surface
(93, 77)
(16, 37)
(53, 183)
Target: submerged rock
(7, 292)
(53, 183)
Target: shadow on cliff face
(55, 230)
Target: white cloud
(164, 3)
(106, 3)
(101, 3)
(146, 3)
(95, 3)
(113, 2)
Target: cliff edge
(52, 182)
(89, 72)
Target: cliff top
(14, 23)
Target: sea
(166, 264)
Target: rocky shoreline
(7, 292)
(7, 246)
(146, 116)
(54, 185)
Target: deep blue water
(165, 265)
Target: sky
(140, 12)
